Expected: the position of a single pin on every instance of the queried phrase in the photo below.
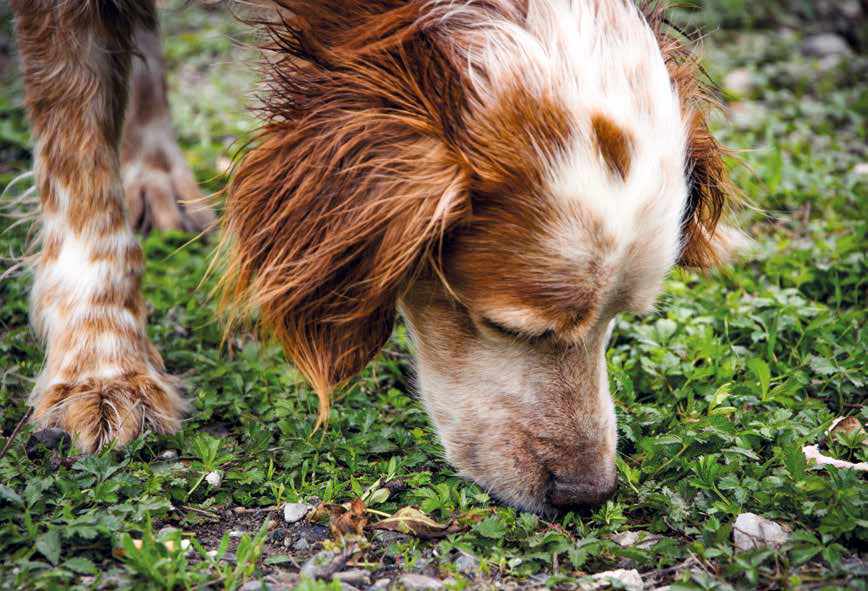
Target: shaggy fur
(506, 174)
(426, 155)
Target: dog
(506, 175)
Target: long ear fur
(351, 185)
(711, 194)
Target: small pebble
(467, 564)
(380, 585)
(301, 544)
(824, 45)
(627, 538)
(169, 454)
(861, 169)
(632, 538)
(752, 531)
(294, 512)
(214, 478)
(312, 569)
(166, 531)
(630, 580)
(417, 582)
(355, 576)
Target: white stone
(638, 539)
(752, 531)
(354, 576)
(861, 169)
(631, 580)
(214, 479)
(317, 564)
(467, 564)
(169, 454)
(416, 582)
(850, 9)
(380, 585)
(824, 45)
(294, 512)
(627, 538)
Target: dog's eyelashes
(513, 334)
(503, 330)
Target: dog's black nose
(565, 495)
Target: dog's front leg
(160, 189)
(102, 379)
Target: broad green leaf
(49, 545)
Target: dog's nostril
(567, 495)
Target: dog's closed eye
(511, 333)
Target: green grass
(716, 393)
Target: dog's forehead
(561, 267)
(596, 234)
(578, 143)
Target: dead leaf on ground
(346, 519)
(846, 426)
(412, 521)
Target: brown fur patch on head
(614, 144)
(711, 192)
(504, 259)
(352, 183)
(508, 145)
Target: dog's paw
(160, 189)
(96, 411)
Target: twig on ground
(210, 514)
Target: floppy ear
(350, 188)
(706, 241)
(711, 195)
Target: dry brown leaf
(346, 519)
(352, 521)
(412, 521)
(326, 512)
(846, 425)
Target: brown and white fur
(508, 175)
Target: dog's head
(510, 175)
